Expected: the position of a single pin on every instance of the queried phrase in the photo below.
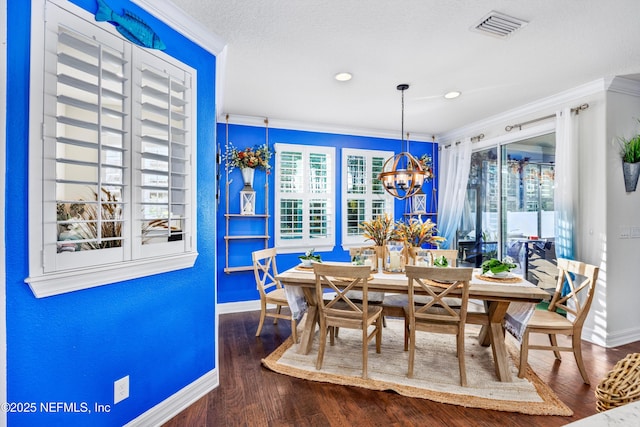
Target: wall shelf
(246, 237)
(233, 216)
(238, 269)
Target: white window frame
(306, 196)
(94, 267)
(367, 198)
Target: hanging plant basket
(631, 171)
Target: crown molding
(320, 127)
(555, 101)
(623, 85)
(186, 25)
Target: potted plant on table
(630, 153)
(497, 268)
(415, 233)
(309, 258)
(380, 231)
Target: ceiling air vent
(498, 25)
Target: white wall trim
(320, 127)
(173, 405)
(612, 339)
(551, 102)
(624, 86)
(183, 23)
(238, 307)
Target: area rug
(436, 375)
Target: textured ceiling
(282, 56)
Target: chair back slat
(580, 279)
(265, 270)
(340, 279)
(439, 284)
(450, 254)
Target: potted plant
(630, 153)
(415, 233)
(309, 258)
(380, 231)
(498, 268)
(248, 160)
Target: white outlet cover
(624, 232)
(120, 389)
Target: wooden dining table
(496, 296)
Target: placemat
(499, 279)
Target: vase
(247, 176)
(379, 258)
(631, 171)
(394, 257)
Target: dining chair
(270, 289)
(343, 312)
(437, 315)
(450, 254)
(565, 315)
(372, 297)
(394, 305)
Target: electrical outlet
(120, 389)
(624, 232)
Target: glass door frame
(498, 143)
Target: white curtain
(566, 183)
(454, 163)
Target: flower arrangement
(426, 161)
(415, 232)
(254, 157)
(380, 229)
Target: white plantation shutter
(162, 158)
(112, 167)
(305, 197)
(363, 196)
(85, 149)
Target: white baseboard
(239, 307)
(611, 339)
(172, 406)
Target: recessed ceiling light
(343, 77)
(453, 94)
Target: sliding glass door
(509, 209)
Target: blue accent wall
(241, 286)
(159, 330)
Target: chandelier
(402, 175)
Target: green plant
(496, 266)
(630, 149)
(440, 262)
(310, 255)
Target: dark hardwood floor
(250, 395)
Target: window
(114, 168)
(304, 193)
(363, 195)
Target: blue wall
(158, 330)
(240, 286)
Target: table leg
(306, 341)
(493, 334)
